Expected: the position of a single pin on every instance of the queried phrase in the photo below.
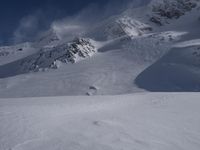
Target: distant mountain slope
(114, 56)
(50, 58)
(12, 53)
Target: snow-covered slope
(125, 46)
(50, 57)
(118, 26)
(160, 121)
(155, 47)
(179, 69)
(111, 71)
(12, 53)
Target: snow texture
(141, 121)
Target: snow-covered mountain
(119, 26)
(51, 89)
(134, 51)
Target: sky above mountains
(15, 15)
(13, 11)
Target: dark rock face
(156, 20)
(4, 54)
(171, 9)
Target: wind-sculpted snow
(179, 69)
(176, 71)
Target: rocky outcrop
(170, 9)
(72, 52)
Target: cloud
(74, 25)
(30, 26)
(67, 31)
(27, 28)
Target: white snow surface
(143, 121)
(195, 42)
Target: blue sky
(13, 12)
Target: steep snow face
(132, 27)
(164, 10)
(119, 26)
(176, 71)
(179, 69)
(156, 45)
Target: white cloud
(66, 30)
(30, 26)
(27, 28)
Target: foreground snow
(157, 121)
